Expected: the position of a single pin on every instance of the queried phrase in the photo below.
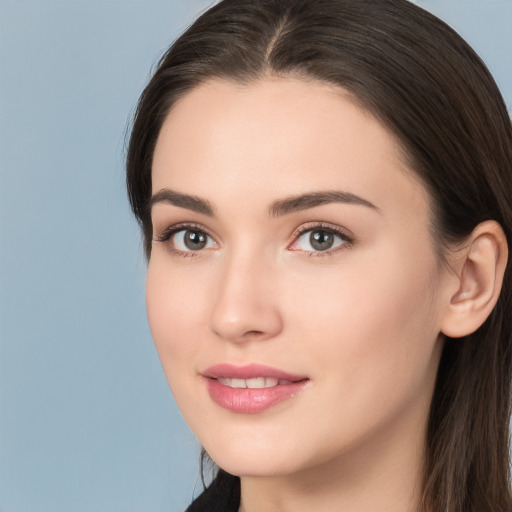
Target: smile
(251, 389)
(254, 383)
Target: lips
(252, 388)
(254, 383)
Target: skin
(362, 321)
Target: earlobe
(480, 273)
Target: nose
(246, 306)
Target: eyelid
(345, 234)
(166, 235)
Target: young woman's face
(293, 291)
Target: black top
(222, 495)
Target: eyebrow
(194, 203)
(313, 199)
(278, 208)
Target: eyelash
(169, 232)
(347, 240)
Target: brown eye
(195, 240)
(187, 240)
(321, 240)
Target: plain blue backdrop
(87, 423)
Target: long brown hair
(430, 89)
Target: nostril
(253, 333)
(241, 336)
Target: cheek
(373, 330)
(174, 303)
(384, 295)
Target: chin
(254, 461)
(262, 468)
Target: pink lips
(251, 400)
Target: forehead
(278, 136)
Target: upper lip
(249, 371)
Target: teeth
(238, 383)
(254, 383)
(257, 383)
(270, 382)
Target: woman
(323, 191)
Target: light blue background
(86, 419)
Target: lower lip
(251, 401)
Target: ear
(479, 268)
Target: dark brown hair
(430, 89)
